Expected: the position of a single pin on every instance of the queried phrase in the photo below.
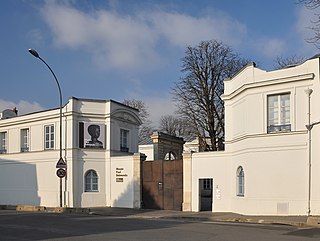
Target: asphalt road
(52, 226)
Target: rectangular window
(279, 113)
(3, 142)
(49, 137)
(207, 184)
(24, 140)
(124, 139)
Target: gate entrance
(162, 183)
(205, 194)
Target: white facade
(103, 174)
(266, 114)
(147, 150)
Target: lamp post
(35, 54)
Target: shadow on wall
(126, 198)
(78, 175)
(150, 198)
(18, 183)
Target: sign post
(61, 173)
(61, 163)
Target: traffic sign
(61, 163)
(61, 172)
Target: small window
(49, 137)
(240, 182)
(3, 142)
(207, 184)
(24, 140)
(279, 113)
(91, 181)
(124, 140)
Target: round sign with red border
(61, 172)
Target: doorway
(205, 194)
(162, 184)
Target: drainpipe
(309, 128)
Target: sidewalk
(298, 221)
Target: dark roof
(145, 141)
(188, 138)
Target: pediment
(126, 116)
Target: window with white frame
(24, 139)
(124, 140)
(49, 137)
(240, 182)
(91, 181)
(279, 113)
(3, 142)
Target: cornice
(268, 82)
(264, 135)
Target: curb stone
(312, 221)
(29, 208)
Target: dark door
(205, 194)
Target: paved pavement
(299, 221)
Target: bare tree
(175, 125)
(198, 93)
(281, 62)
(167, 124)
(313, 4)
(145, 129)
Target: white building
(99, 139)
(270, 166)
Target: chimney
(15, 110)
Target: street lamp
(35, 54)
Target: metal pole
(309, 169)
(34, 53)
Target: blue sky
(132, 49)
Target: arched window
(170, 156)
(240, 182)
(91, 181)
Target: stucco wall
(29, 178)
(274, 177)
(276, 165)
